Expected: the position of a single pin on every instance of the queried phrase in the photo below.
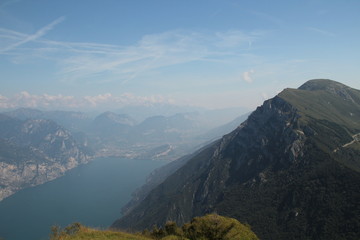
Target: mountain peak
(322, 84)
(114, 118)
(329, 86)
(328, 100)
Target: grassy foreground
(209, 227)
(89, 233)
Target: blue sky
(214, 53)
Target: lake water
(92, 194)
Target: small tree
(73, 228)
(172, 229)
(157, 233)
(146, 232)
(55, 232)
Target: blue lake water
(92, 194)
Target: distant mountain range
(118, 134)
(291, 171)
(38, 146)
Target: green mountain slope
(326, 100)
(333, 109)
(291, 170)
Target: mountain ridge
(274, 171)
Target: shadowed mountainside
(291, 170)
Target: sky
(214, 54)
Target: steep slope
(220, 131)
(35, 151)
(160, 174)
(291, 170)
(154, 179)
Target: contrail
(41, 32)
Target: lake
(92, 194)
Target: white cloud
(4, 102)
(25, 99)
(101, 101)
(247, 76)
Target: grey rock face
(34, 152)
(270, 137)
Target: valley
(59, 167)
(39, 146)
(92, 194)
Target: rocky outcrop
(35, 151)
(16, 177)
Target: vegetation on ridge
(209, 227)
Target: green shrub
(172, 229)
(215, 227)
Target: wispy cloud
(153, 52)
(321, 31)
(82, 61)
(101, 101)
(27, 38)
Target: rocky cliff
(35, 151)
(291, 170)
